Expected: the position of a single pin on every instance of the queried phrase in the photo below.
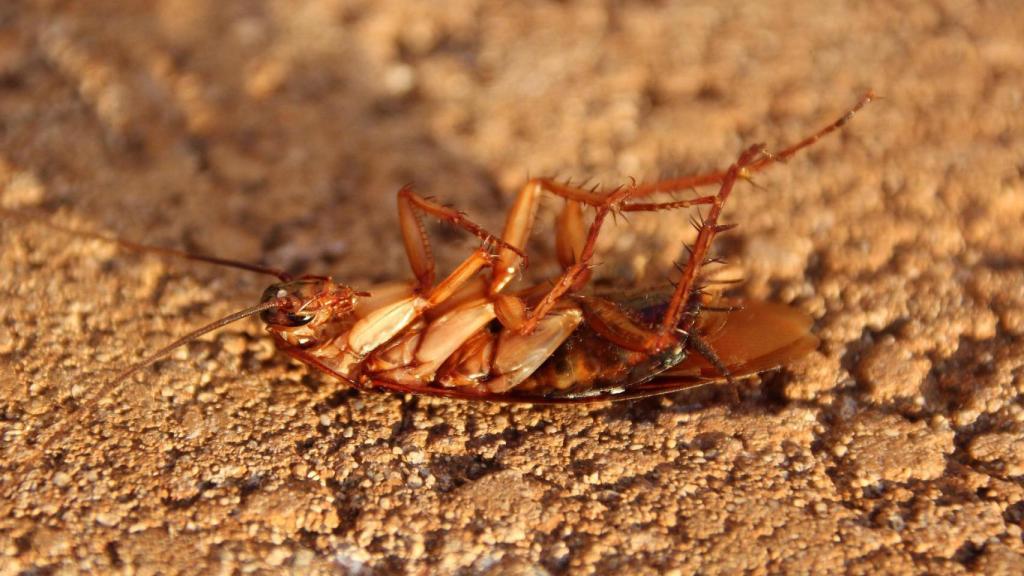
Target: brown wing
(758, 337)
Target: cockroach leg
(570, 240)
(577, 264)
(417, 245)
(576, 274)
(574, 243)
(786, 153)
(518, 225)
(571, 276)
(672, 205)
(570, 234)
(707, 231)
(716, 177)
(709, 354)
(575, 250)
(462, 274)
(752, 160)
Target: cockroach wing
(758, 337)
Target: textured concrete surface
(280, 130)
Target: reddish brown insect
(470, 336)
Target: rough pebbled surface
(280, 130)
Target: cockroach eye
(282, 317)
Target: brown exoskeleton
(471, 336)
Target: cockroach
(471, 336)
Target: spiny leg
(575, 257)
(574, 273)
(708, 229)
(593, 198)
(570, 235)
(574, 245)
(790, 151)
(570, 231)
(754, 159)
(766, 159)
(612, 323)
(411, 206)
(577, 273)
(570, 238)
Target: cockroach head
(307, 303)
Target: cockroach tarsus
(470, 336)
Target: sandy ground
(279, 131)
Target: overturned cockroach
(470, 336)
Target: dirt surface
(279, 131)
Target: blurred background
(281, 130)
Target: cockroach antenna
(193, 335)
(43, 220)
